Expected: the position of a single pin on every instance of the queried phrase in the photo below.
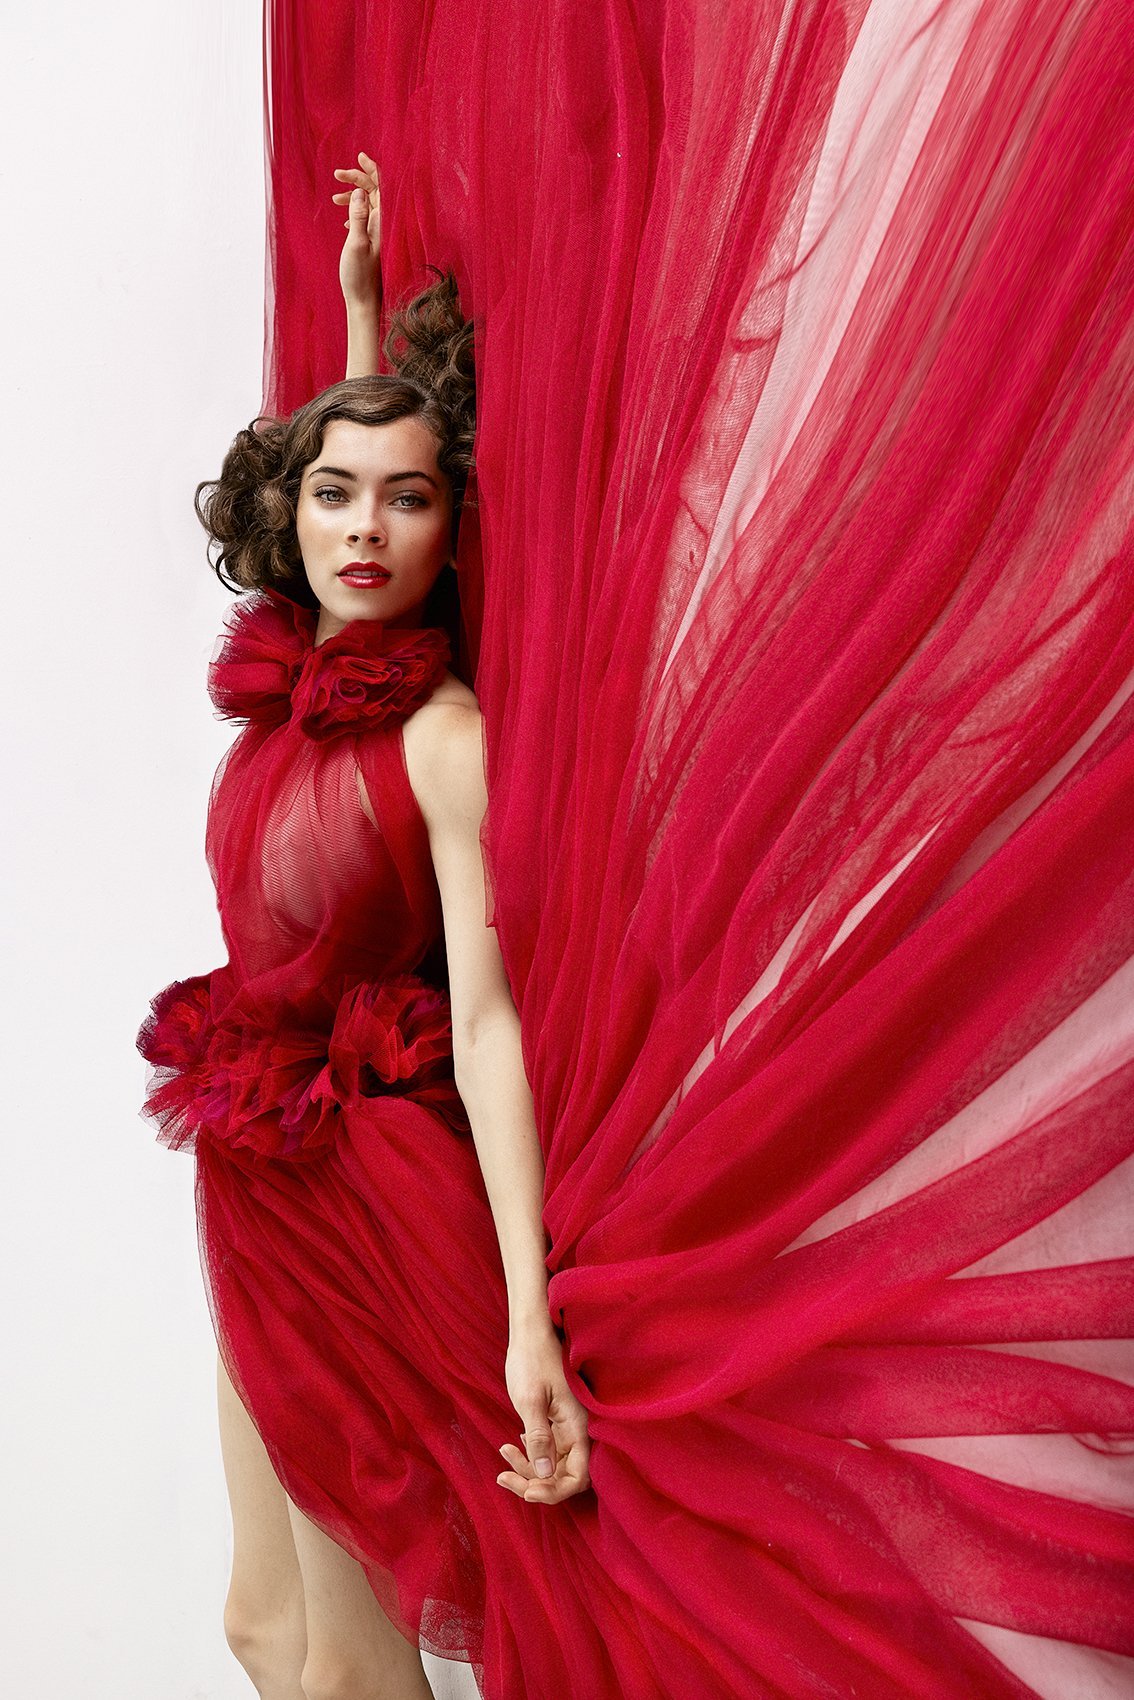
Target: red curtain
(799, 591)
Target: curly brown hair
(249, 511)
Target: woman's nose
(370, 533)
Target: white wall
(132, 208)
(131, 166)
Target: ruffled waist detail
(274, 1092)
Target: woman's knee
(271, 1645)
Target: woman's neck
(329, 624)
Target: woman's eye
(331, 496)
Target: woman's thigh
(352, 1647)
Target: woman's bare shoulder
(452, 690)
(444, 744)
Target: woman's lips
(364, 577)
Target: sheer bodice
(328, 904)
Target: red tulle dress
(350, 1256)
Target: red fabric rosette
(179, 1021)
(268, 668)
(264, 1095)
(259, 658)
(173, 1039)
(396, 1037)
(367, 674)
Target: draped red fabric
(799, 590)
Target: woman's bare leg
(353, 1650)
(300, 1615)
(264, 1618)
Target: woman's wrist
(363, 341)
(362, 308)
(530, 1322)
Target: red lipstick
(365, 575)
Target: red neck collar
(268, 669)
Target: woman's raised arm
(360, 267)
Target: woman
(371, 1269)
(806, 659)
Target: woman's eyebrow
(393, 478)
(396, 477)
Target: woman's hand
(360, 271)
(553, 1463)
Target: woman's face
(374, 523)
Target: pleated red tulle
(806, 646)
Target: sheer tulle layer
(359, 1303)
(801, 589)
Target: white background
(133, 285)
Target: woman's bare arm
(444, 755)
(360, 267)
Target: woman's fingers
(554, 1492)
(572, 1467)
(358, 220)
(572, 1450)
(358, 180)
(571, 1473)
(539, 1443)
(514, 1483)
(517, 1477)
(366, 177)
(342, 196)
(572, 1476)
(364, 186)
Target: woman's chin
(360, 602)
(341, 603)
